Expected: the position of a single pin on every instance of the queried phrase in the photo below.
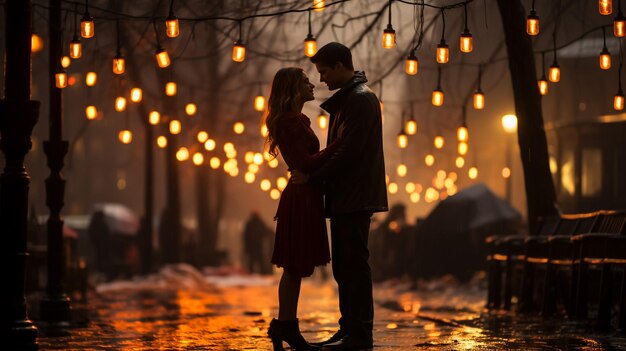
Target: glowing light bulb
(466, 44)
(412, 65)
(554, 73)
(429, 160)
(154, 118)
(443, 52)
(403, 140)
(171, 26)
(119, 65)
(198, 159)
(120, 104)
(318, 5)
(87, 28)
(202, 136)
(239, 128)
(310, 46)
(136, 95)
(182, 154)
(479, 100)
(161, 141)
(76, 50)
(543, 86)
(605, 59)
(36, 43)
(618, 101)
(61, 79)
(439, 141)
(462, 148)
(259, 103)
(239, 51)
(125, 136)
(532, 23)
(162, 58)
(389, 37)
(605, 7)
(91, 112)
(191, 109)
(437, 98)
(411, 127)
(170, 88)
(175, 127)
(322, 121)
(462, 134)
(91, 78)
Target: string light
(605, 55)
(437, 97)
(170, 88)
(136, 95)
(439, 141)
(125, 136)
(463, 148)
(210, 145)
(412, 64)
(411, 126)
(429, 160)
(543, 82)
(389, 35)
(175, 127)
(239, 49)
(403, 139)
(322, 120)
(318, 5)
(182, 154)
(472, 173)
(310, 44)
(460, 162)
(120, 104)
(76, 50)
(619, 23)
(161, 55)
(532, 21)
(161, 141)
(91, 112)
(555, 71)
(466, 44)
(198, 159)
(60, 79)
(618, 100)
(605, 7)
(191, 109)
(202, 136)
(171, 23)
(91, 78)
(119, 64)
(36, 43)
(239, 128)
(259, 102)
(443, 52)
(87, 28)
(65, 61)
(461, 133)
(479, 96)
(154, 118)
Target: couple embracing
(345, 182)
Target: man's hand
(297, 177)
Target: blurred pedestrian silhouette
(391, 245)
(99, 235)
(257, 238)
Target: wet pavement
(183, 310)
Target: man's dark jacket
(355, 175)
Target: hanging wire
(117, 29)
(156, 34)
(443, 30)
(465, 11)
(310, 23)
(438, 77)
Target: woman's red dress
(301, 241)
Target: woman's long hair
(283, 98)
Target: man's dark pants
(349, 235)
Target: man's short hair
(332, 53)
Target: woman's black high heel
(288, 331)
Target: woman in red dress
(301, 241)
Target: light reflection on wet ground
(236, 318)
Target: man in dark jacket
(354, 179)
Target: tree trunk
(540, 194)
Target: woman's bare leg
(288, 294)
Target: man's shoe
(350, 342)
(338, 335)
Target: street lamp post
(18, 116)
(509, 124)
